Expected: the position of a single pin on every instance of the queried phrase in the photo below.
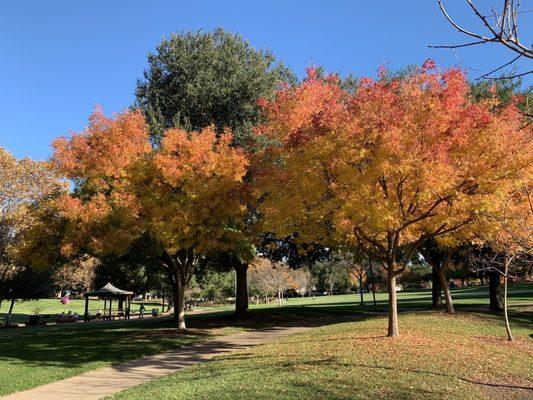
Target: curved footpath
(106, 381)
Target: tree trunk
(170, 301)
(8, 317)
(446, 288)
(279, 297)
(179, 303)
(241, 295)
(361, 287)
(495, 295)
(175, 296)
(393, 304)
(507, 326)
(436, 298)
(506, 317)
(372, 282)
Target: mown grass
(33, 356)
(463, 297)
(437, 356)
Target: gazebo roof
(109, 290)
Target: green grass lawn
(437, 356)
(463, 297)
(33, 356)
(467, 297)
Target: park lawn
(437, 356)
(31, 357)
(467, 298)
(472, 296)
(519, 294)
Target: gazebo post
(110, 305)
(86, 315)
(105, 306)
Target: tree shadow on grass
(78, 344)
(74, 345)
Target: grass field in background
(437, 356)
(463, 297)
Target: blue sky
(58, 59)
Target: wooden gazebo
(108, 293)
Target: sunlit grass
(34, 356)
(437, 356)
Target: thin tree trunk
(506, 317)
(361, 286)
(393, 330)
(175, 301)
(495, 295)
(372, 282)
(436, 297)
(170, 300)
(179, 304)
(446, 288)
(10, 311)
(241, 295)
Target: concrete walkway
(106, 381)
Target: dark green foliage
(332, 277)
(196, 79)
(292, 252)
(26, 284)
(416, 276)
(217, 286)
(138, 270)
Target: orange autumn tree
(387, 167)
(192, 194)
(184, 194)
(25, 185)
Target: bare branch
(504, 31)
(456, 46)
(499, 68)
(502, 78)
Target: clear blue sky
(60, 58)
